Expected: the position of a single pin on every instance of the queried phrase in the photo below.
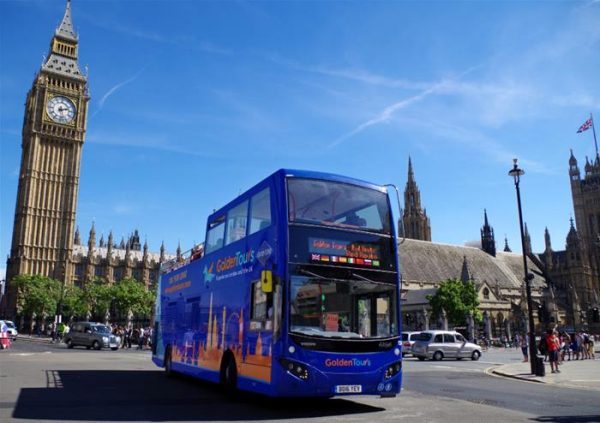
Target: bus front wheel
(229, 374)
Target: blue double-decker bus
(295, 292)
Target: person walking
(552, 347)
(525, 347)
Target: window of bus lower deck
(342, 308)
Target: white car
(408, 339)
(12, 329)
(440, 344)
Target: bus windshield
(337, 204)
(342, 308)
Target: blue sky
(194, 102)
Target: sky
(193, 102)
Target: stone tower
(415, 220)
(488, 242)
(54, 128)
(586, 206)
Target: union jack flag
(586, 125)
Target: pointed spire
(77, 239)
(547, 240)
(92, 238)
(506, 247)
(101, 243)
(65, 29)
(109, 246)
(488, 242)
(162, 252)
(465, 274)
(179, 251)
(145, 255)
(411, 175)
(527, 240)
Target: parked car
(408, 339)
(91, 335)
(12, 329)
(440, 344)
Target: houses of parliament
(45, 241)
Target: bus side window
(214, 238)
(237, 219)
(260, 211)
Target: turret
(488, 242)
(527, 241)
(506, 247)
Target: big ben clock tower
(53, 134)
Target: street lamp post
(516, 174)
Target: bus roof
(282, 173)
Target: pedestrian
(591, 347)
(141, 339)
(552, 347)
(566, 346)
(524, 347)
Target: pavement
(579, 374)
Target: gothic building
(415, 223)
(54, 128)
(113, 262)
(574, 273)
(565, 288)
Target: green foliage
(74, 302)
(97, 296)
(41, 295)
(131, 295)
(457, 298)
(37, 294)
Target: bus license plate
(348, 389)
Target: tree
(131, 295)
(457, 298)
(37, 295)
(74, 303)
(97, 296)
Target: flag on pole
(586, 125)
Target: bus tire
(228, 375)
(168, 362)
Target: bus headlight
(294, 368)
(392, 370)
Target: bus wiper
(314, 275)
(361, 277)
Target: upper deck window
(260, 211)
(215, 235)
(237, 219)
(337, 204)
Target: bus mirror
(266, 278)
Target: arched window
(486, 293)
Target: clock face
(61, 109)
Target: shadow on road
(149, 395)
(569, 419)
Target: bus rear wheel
(229, 374)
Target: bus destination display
(344, 252)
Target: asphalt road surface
(51, 383)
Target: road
(50, 382)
